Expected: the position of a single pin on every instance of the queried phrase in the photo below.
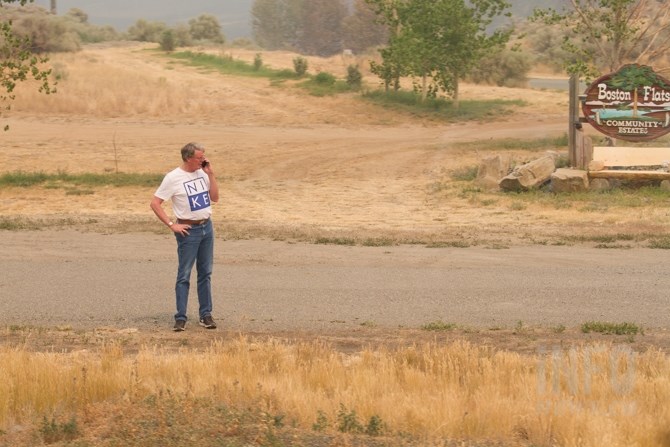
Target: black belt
(192, 222)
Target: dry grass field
(297, 167)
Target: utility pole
(53, 7)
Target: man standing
(192, 188)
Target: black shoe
(208, 322)
(179, 325)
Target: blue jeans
(195, 248)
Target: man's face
(196, 160)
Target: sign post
(573, 125)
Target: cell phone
(204, 164)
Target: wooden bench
(617, 162)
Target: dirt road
(89, 280)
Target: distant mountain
(234, 15)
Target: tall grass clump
(588, 396)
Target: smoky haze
(233, 15)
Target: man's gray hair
(189, 150)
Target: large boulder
(569, 180)
(530, 175)
(491, 170)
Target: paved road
(88, 280)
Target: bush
(354, 77)
(206, 27)
(145, 31)
(300, 65)
(505, 69)
(325, 78)
(47, 33)
(167, 40)
(258, 61)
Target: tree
(168, 41)
(77, 15)
(206, 27)
(267, 32)
(276, 24)
(606, 34)
(145, 31)
(17, 61)
(361, 30)
(438, 41)
(322, 27)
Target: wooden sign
(632, 104)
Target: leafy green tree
(168, 41)
(182, 35)
(18, 63)
(206, 27)
(145, 31)
(604, 34)
(439, 42)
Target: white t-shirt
(189, 192)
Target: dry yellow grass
(592, 395)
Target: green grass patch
(662, 243)
(449, 244)
(226, 64)
(19, 223)
(439, 326)
(517, 144)
(27, 179)
(598, 201)
(335, 241)
(377, 242)
(465, 173)
(468, 110)
(611, 328)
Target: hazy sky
(232, 14)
